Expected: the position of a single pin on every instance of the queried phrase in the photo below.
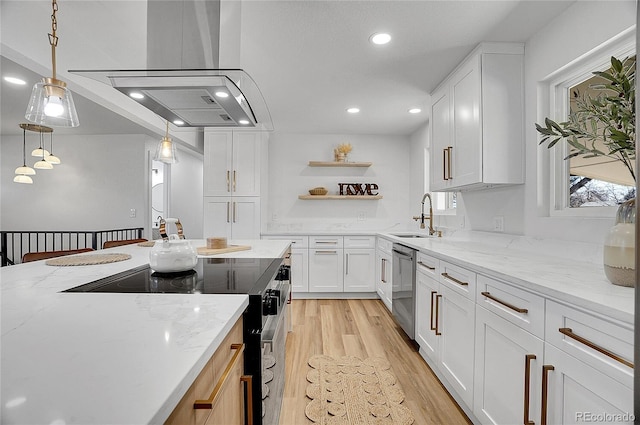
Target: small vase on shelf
(341, 157)
(620, 247)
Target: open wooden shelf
(341, 197)
(338, 164)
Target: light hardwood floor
(361, 328)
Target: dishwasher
(403, 288)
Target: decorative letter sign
(358, 189)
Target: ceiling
(312, 59)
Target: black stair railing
(14, 244)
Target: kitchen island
(106, 358)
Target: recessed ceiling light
(178, 122)
(243, 122)
(222, 94)
(353, 110)
(136, 95)
(415, 110)
(14, 80)
(380, 38)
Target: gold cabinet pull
(208, 403)
(444, 164)
(346, 269)
(453, 279)
(437, 314)
(228, 182)
(326, 252)
(424, 265)
(527, 387)
(450, 150)
(228, 211)
(568, 332)
(504, 303)
(234, 180)
(545, 392)
(384, 270)
(433, 327)
(248, 382)
(234, 211)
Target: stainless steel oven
(403, 289)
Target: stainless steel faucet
(422, 217)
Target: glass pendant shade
(21, 178)
(51, 104)
(43, 165)
(166, 151)
(40, 152)
(52, 159)
(25, 170)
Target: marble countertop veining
(89, 358)
(564, 271)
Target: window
(586, 186)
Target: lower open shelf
(341, 197)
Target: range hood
(192, 97)
(187, 41)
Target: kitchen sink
(407, 235)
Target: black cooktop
(210, 276)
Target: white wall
(290, 176)
(186, 192)
(525, 208)
(100, 179)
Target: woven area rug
(350, 391)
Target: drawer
(323, 242)
(602, 343)
(428, 265)
(360, 242)
(459, 279)
(384, 244)
(520, 307)
(297, 242)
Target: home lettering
(358, 189)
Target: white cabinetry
(451, 316)
(299, 261)
(477, 129)
(359, 264)
(508, 353)
(326, 264)
(233, 168)
(384, 270)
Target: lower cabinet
(426, 329)
(384, 273)
(217, 395)
(326, 270)
(359, 269)
(299, 270)
(508, 361)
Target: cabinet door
(299, 270)
(245, 217)
(326, 270)
(245, 173)
(456, 324)
(359, 270)
(383, 277)
(440, 140)
(508, 361)
(467, 131)
(218, 152)
(578, 393)
(426, 293)
(217, 216)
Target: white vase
(620, 247)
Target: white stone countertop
(89, 358)
(568, 272)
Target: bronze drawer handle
(504, 303)
(568, 332)
(545, 393)
(248, 381)
(432, 326)
(527, 387)
(424, 265)
(444, 164)
(449, 149)
(437, 314)
(453, 279)
(208, 404)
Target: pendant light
(23, 172)
(40, 151)
(51, 102)
(51, 158)
(166, 151)
(42, 164)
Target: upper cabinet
(232, 163)
(477, 136)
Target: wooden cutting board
(203, 250)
